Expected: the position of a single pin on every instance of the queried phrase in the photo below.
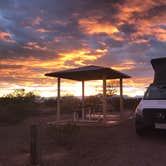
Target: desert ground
(114, 145)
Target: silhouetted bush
(129, 103)
(17, 106)
(50, 102)
(93, 100)
(69, 104)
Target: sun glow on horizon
(75, 89)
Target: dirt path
(96, 146)
(119, 146)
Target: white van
(151, 111)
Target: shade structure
(89, 73)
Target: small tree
(111, 88)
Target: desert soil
(96, 146)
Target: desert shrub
(64, 135)
(50, 102)
(70, 104)
(115, 102)
(93, 100)
(129, 103)
(17, 106)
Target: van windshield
(155, 93)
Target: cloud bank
(41, 36)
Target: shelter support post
(104, 99)
(121, 99)
(83, 100)
(58, 99)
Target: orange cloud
(92, 26)
(138, 82)
(135, 40)
(42, 30)
(127, 65)
(34, 45)
(129, 7)
(36, 21)
(160, 34)
(157, 32)
(136, 12)
(82, 56)
(73, 58)
(6, 37)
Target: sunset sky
(42, 36)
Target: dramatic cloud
(91, 27)
(42, 36)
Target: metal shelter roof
(89, 73)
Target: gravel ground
(96, 146)
(119, 146)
